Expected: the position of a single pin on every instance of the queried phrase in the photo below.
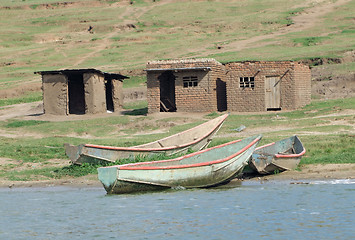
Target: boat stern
(73, 152)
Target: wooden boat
(206, 168)
(195, 139)
(278, 156)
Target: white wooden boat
(196, 138)
(205, 168)
(278, 156)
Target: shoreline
(309, 172)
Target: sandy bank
(307, 172)
(314, 172)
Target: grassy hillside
(53, 34)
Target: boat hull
(201, 169)
(195, 139)
(278, 157)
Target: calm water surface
(276, 210)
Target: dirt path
(307, 19)
(20, 110)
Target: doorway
(109, 99)
(76, 93)
(167, 92)
(221, 95)
(272, 93)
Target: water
(276, 210)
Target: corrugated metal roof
(82, 71)
(185, 60)
(180, 69)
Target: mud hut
(81, 91)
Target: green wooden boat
(196, 138)
(205, 168)
(278, 156)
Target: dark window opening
(246, 82)
(76, 94)
(191, 81)
(109, 99)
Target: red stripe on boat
(291, 155)
(135, 166)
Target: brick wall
(201, 98)
(294, 80)
(302, 81)
(153, 92)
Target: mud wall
(95, 97)
(117, 94)
(55, 94)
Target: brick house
(190, 85)
(263, 86)
(205, 85)
(81, 91)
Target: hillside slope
(117, 36)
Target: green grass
(329, 149)
(75, 170)
(31, 150)
(23, 123)
(136, 108)
(29, 97)
(344, 68)
(96, 127)
(106, 130)
(86, 168)
(136, 104)
(30, 174)
(309, 41)
(135, 81)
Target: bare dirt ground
(314, 172)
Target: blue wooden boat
(206, 168)
(278, 156)
(196, 138)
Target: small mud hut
(81, 91)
